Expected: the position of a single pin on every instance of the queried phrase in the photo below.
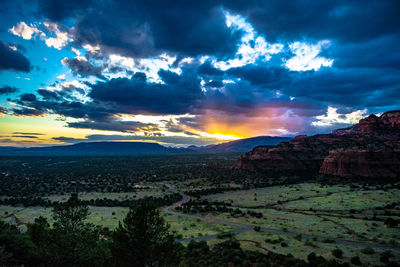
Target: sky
(193, 72)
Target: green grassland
(347, 200)
(188, 227)
(271, 195)
(301, 248)
(137, 194)
(110, 217)
(313, 211)
(318, 211)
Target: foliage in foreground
(142, 239)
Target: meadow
(295, 218)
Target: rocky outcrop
(388, 122)
(369, 149)
(364, 163)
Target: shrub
(368, 250)
(274, 241)
(328, 240)
(338, 253)
(385, 256)
(355, 260)
(390, 222)
(311, 257)
(298, 237)
(224, 235)
(310, 244)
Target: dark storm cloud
(115, 125)
(143, 28)
(179, 94)
(346, 21)
(83, 67)
(28, 97)
(25, 136)
(5, 90)
(48, 95)
(364, 86)
(191, 122)
(364, 38)
(350, 87)
(207, 69)
(214, 84)
(58, 10)
(380, 53)
(23, 133)
(3, 111)
(12, 60)
(27, 112)
(272, 77)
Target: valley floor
(297, 219)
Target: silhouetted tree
(71, 241)
(15, 248)
(70, 215)
(143, 239)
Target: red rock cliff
(365, 163)
(369, 148)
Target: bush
(368, 250)
(390, 222)
(328, 240)
(257, 228)
(224, 235)
(355, 260)
(310, 244)
(273, 241)
(385, 256)
(338, 253)
(311, 257)
(298, 237)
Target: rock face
(388, 122)
(370, 148)
(364, 163)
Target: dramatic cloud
(23, 133)
(204, 70)
(115, 125)
(140, 29)
(28, 112)
(80, 66)
(25, 31)
(28, 97)
(306, 56)
(60, 39)
(3, 111)
(5, 90)
(346, 21)
(333, 117)
(25, 136)
(178, 94)
(48, 95)
(12, 60)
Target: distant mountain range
(140, 148)
(241, 145)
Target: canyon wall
(370, 148)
